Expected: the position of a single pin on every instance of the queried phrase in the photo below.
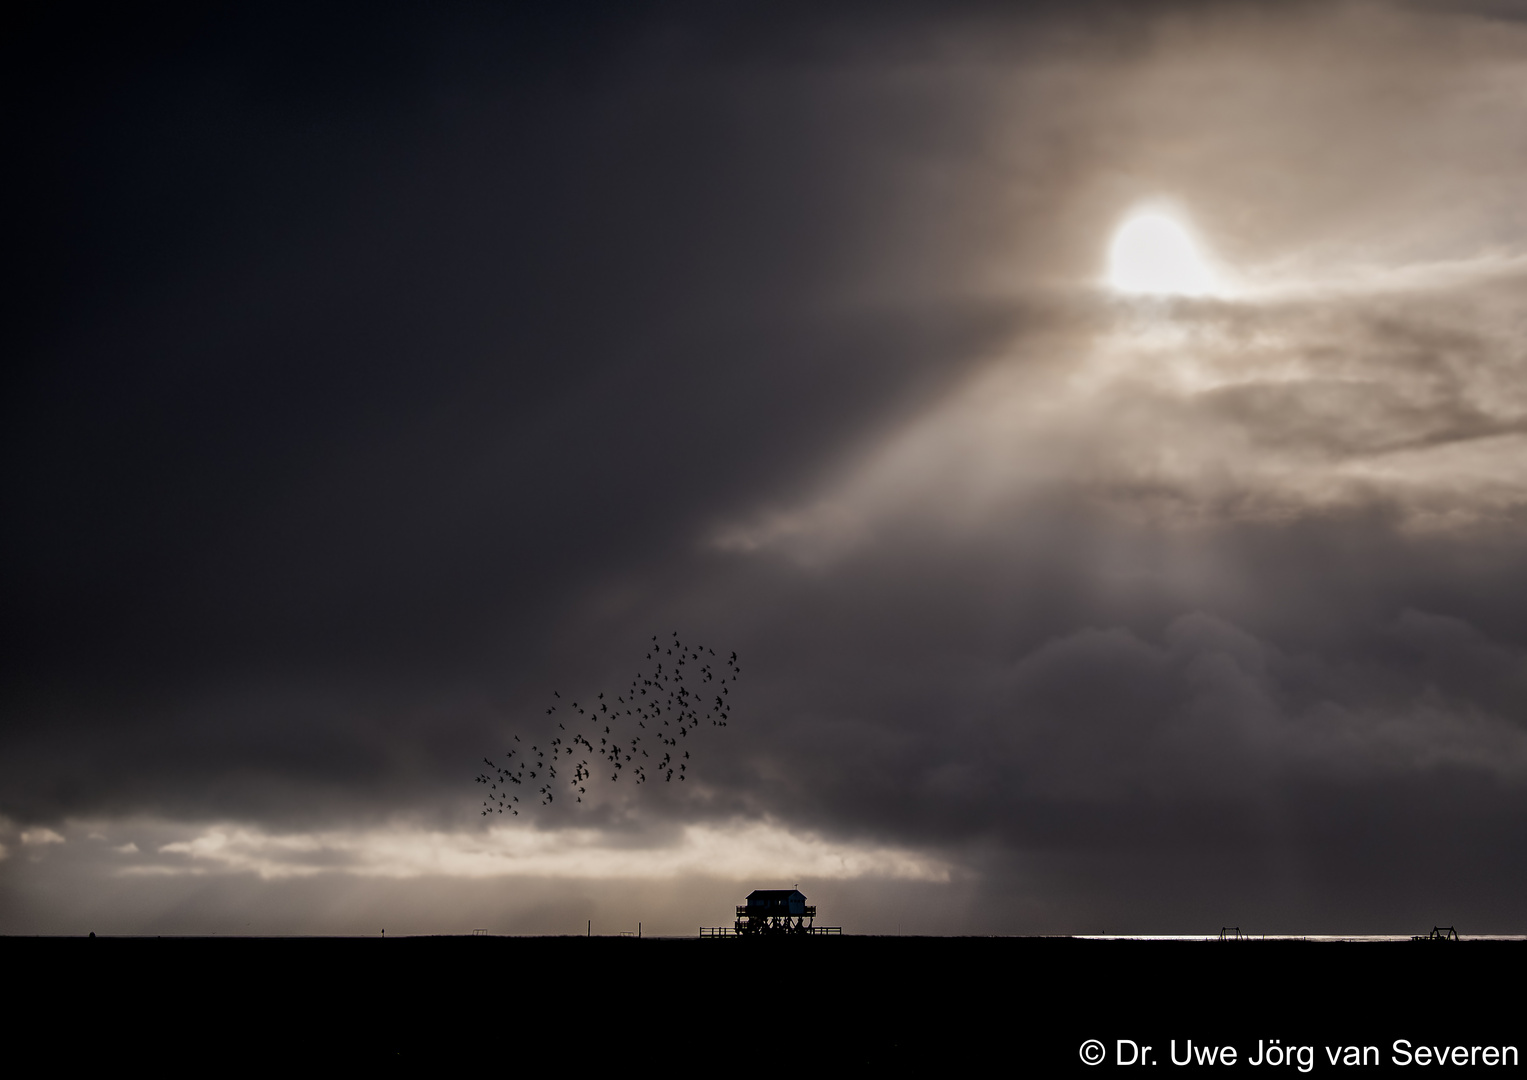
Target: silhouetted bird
(623, 747)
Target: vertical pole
(591, 929)
(638, 929)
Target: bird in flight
(678, 703)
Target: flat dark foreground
(738, 1007)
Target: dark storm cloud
(383, 374)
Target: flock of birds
(644, 733)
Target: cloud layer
(364, 403)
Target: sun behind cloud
(1153, 254)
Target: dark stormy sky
(371, 373)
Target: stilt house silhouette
(772, 912)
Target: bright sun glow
(1153, 254)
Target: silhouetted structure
(772, 913)
(776, 911)
(1439, 933)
